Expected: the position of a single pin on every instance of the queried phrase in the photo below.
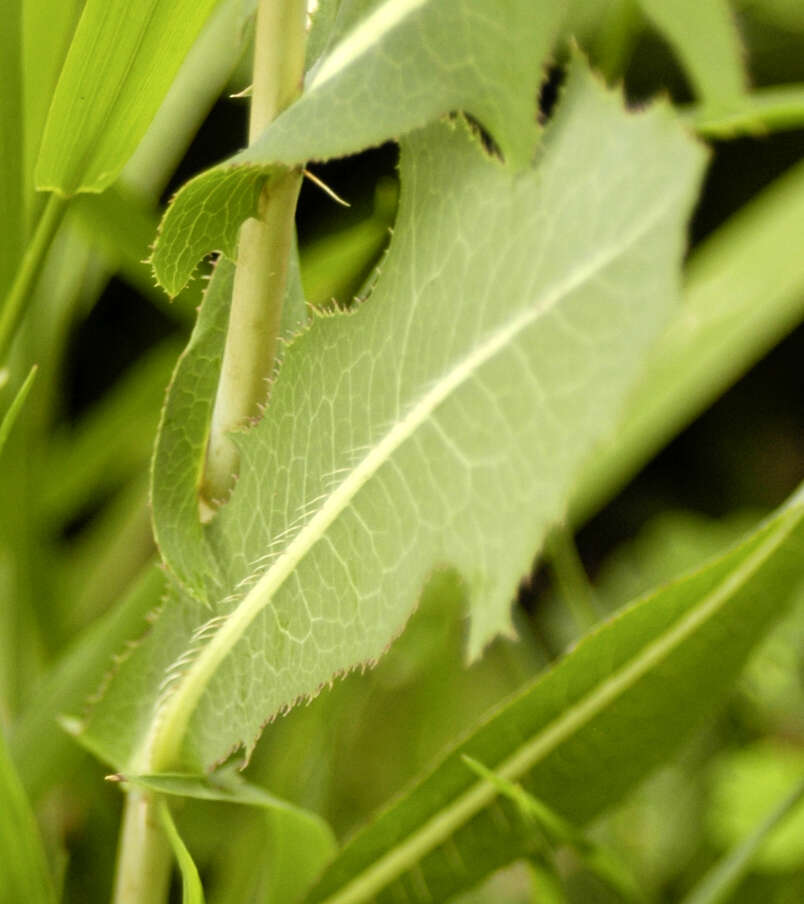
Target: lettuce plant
(348, 489)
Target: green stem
(143, 859)
(571, 579)
(263, 253)
(20, 291)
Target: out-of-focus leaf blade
(705, 36)
(192, 891)
(47, 29)
(40, 748)
(579, 737)
(559, 832)
(120, 64)
(723, 878)
(25, 874)
(12, 412)
(12, 202)
(765, 110)
(111, 443)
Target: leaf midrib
(441, 826)
(162, 744)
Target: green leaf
(399, 66)
(766, 110)
(705, 37)
(12, 200)
(110, 444)
(745, 783)
(724, 877)
(179, 453)
(120, 64)
(41, 750)
(191, 890)
(47, 29)
(297, 842)
(441, 422)
(12, 412)
(744, 292)
(229, 788)
(25, 871)
(582, 735)
(561, 833)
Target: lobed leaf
(744, 291)
(582, 735)
(440, 423)
(399, 65)
(120, 64)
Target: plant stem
(263, 253)
(143, 858)
(28, 271)
(571, 579)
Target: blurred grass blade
(705, 37)
(111, 443)
(25, 876)
(121, 62)
(124, 227)
(47, 29)
(15, 407)
(191, 889)
(561, 833)
(718, 884)
(42, 752)
(744, 292)
(765, 110)
(582, 735)
(12, 205)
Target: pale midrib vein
(162, 744)
(363, 37)
(441, 826)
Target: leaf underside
(441, 423)
(388, 70)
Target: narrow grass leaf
(12, 412)
(25, 870)
(724, 877)
(705, 37)
(12, 203)
(120, 64)
(582, 735)
(758, 113)
(41, 750)
(192, 891)
(561, 833)
(47, 30)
